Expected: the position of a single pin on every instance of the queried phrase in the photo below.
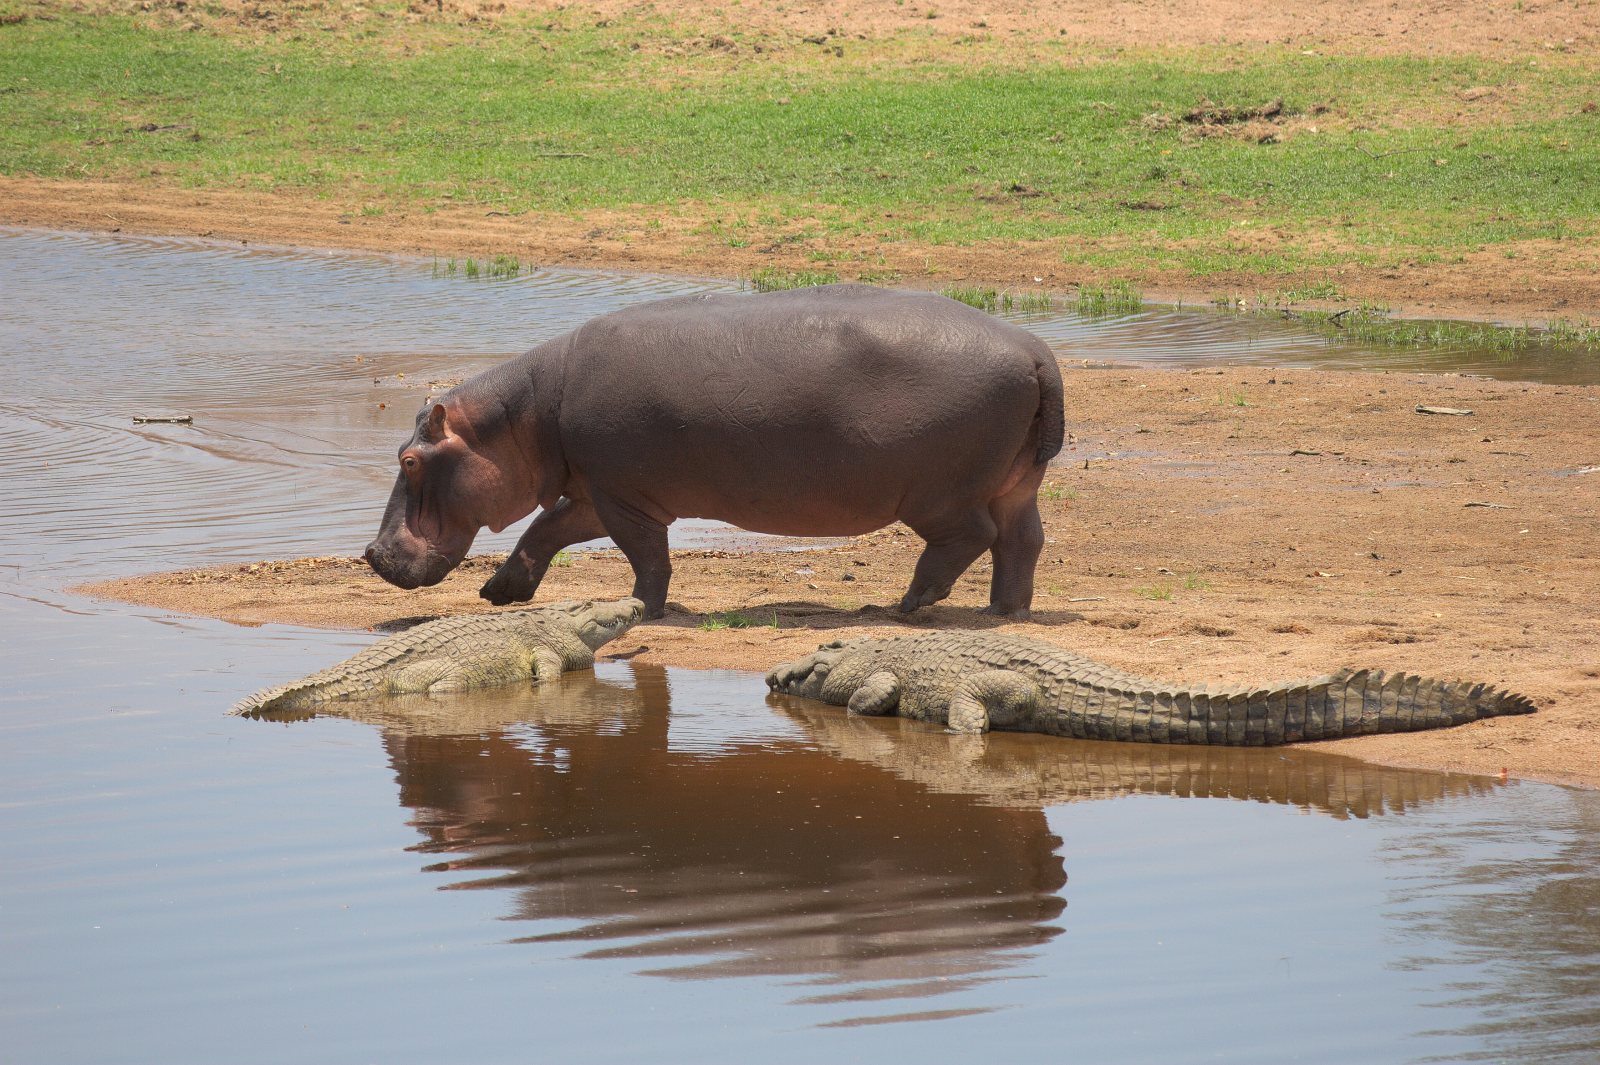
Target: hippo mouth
(408, 573)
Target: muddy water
(645, 864)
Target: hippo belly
(826, 431)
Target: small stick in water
(173, 419)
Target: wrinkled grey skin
(828, 411)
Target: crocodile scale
(974, 681)
(457, 653)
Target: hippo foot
(511, 583)
(916, 598)
(1019, 613)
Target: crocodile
(971, 682)
(457, 653)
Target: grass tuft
(499, 268)
(995, 301)
(1114, 297)
(1370, 325)
(731, 620)
(772, 279)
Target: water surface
(645, 864)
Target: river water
(649, 864)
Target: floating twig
(170, 419)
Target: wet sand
(1205, 526)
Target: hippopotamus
(828, 411)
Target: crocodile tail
(296, 696)
(1051, 418)
(1347, 703)
(341, 680)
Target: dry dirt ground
(1385, 27)
(1209, 526)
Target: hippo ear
(437, 425)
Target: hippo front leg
(562, 525)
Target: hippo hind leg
(954, 543)
(1017, 544)
(643, 540)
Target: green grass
(899, 142)
(1370, 325)
(1053, 491)
(501, 266)
(773, 279)
(995, 301)
(1115, 297)
(731, 620)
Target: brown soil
(1385, 27)
(1410, 27)
(1188, 540)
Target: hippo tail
(1051, 418)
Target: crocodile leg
(879, 695)
(419, 676)
(992, 698)
(546, 665)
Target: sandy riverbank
(1211, 526)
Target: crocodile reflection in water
(878, 857)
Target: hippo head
(453, 481)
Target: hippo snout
(407, 572)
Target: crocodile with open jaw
(457, 653)
(975, 681)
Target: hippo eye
(410, 464)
